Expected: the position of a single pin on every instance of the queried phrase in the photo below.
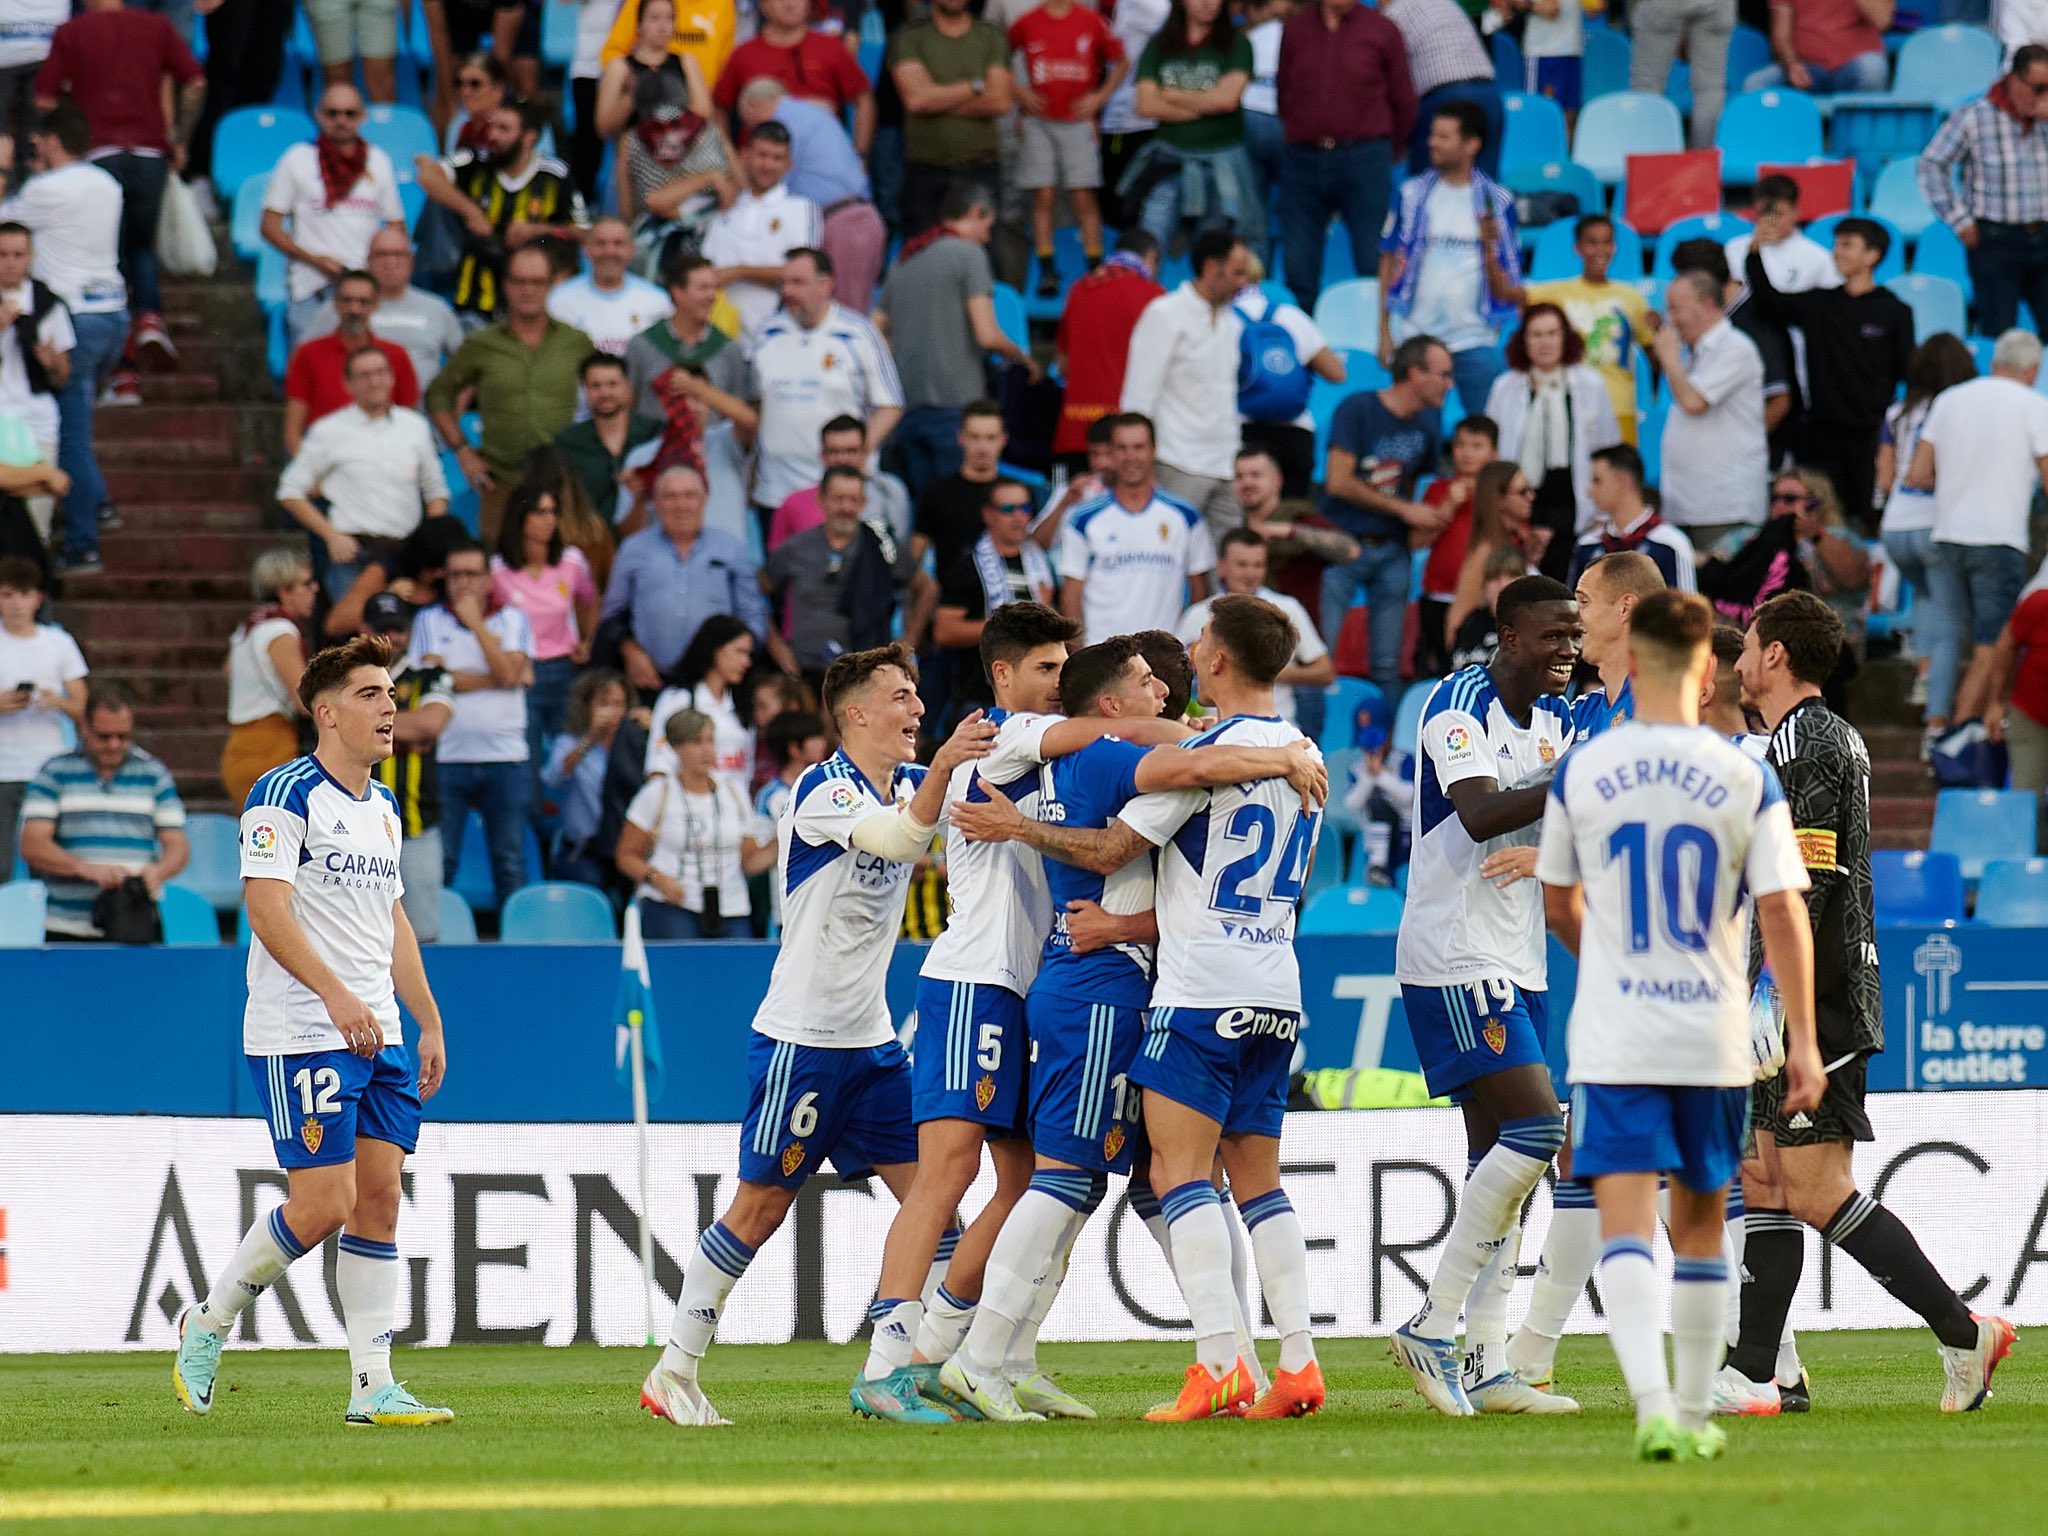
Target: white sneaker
(668, 1396)
(1969, 1370)
(1436, 1366)
(1736, 1395)
(1508, 1393)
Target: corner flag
(634, 1010)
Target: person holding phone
(49, 684)
(691, 840)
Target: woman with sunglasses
(265, 657)
(1503, 505)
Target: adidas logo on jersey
(341, 829)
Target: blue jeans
(664, 920)
(1353, 183)
(927, 444)
(1973, 589)
(1383, 572)
(100, 340)
(1865, 72)
(1476, 369)
(1908, 550)
(547, 706)
(1264, 143)
(503, 794)
(142, 180)
(1482, 92)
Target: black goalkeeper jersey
(1821, 761)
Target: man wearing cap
(426, 703)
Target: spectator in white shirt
(1794, 261)
(35, 350)
(1241, 569)
(422, 323)
(45, 683)
(1715, 460)
(609, 304)
(752, 238)
(375, 464)
(266, 658)
(1183, 375)
(1133, 557)
(74, 208)
(337, 191)
(482, 755)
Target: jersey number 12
(1685, 868)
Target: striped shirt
(1442, 47)
(116, 820)
(2004, 165)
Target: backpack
(1272, 382)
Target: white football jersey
(1667, 827)
(339, 854)
(1457, 927)
(1229, 881)
(1136, 564)
(841, 911)
(1001, 906)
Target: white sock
(946, 1321)
(1283, 1274)
(1628, 1281)
(896, 1321)
(708, 1279)
(1201, 1256)
(1240, 1304)
(1025, 1251)
(366, 1280)
(1699, 1305)
(1731, 1255)
(1486, 1312)
(1789, 1369)
(1570, 1250)
(1020, 1359)
(942, 1258)
(267, 1250)
(1487, 1212)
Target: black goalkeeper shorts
(1840, 1117)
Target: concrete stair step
(95, 615)
(1900, 778)
(247, 484)
(160, 587)
(176, 387)
(165, 422)
(193, 695)
(151, 517)
(130, 658)
(188, 749)
(197, 552)
(148, 452)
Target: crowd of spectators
(717, 432)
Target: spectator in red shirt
(119, 67)
(2019, 678)
(1094, 336)
(811, 66)
(1474, 445)
(1825, 46)
(1073, 63)
(316, 379)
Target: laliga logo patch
(844, 797)
(263, 840)
(985, 1091)
(1456, 739)
(1113, 1143)
(1495, 1034)
(312, 1133)
(792, 1158)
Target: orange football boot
(1293, 1395)
(1203, 1396)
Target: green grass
(551, 1440)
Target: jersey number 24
(1281, 863)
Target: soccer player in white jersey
(1100, 812)
(1474, 972)
(1131, 557)
(330, 958)
(1651, 836)
(827, 1078)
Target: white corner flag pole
(635, 959)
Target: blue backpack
(1272, 382)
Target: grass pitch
(551, 1440)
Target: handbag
(127, 914)
(184, 242)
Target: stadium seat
(1328, 869)
(188, 918)
(1559, 175)
(245, 227)
(1533, 128)
(557, 912)
(1937, 304)
(1348, 314)
(1408, 713)
(1822, 233)
(1069, 262)
(1010, 315)
(458, 923)
(473, 869)
(1947, 66)
(1341, 762)
(23, 904)
(2013, 893)
(1352, 909)
(1605, 68)
(1778, 127)
(1941, 254)
(1362, 370)
(558, 35)
(215, 867)
(1874, 129)
(1720, 227)
(248, 140)
(1896, 199)
(1508, 63)
(1916, 887)
(1650, 440)
(402, 132)
(1748, 51)
(1557, 254)
(272, 290)
(1979, 825)
(1612, 128)
(1340, 702)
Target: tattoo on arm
(1101, 849)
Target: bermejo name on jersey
(339, 854)
(1001, 905)
(1666, 827)
(1229, 882)
(1458, 927)
(841, 910)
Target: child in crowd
(1474, 445)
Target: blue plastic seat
(1937, 304)
(1916, 887)
(1408, 713)
(1353, 909)
(1557, 255)
(1947, 65)
(23, 905)
(1873, 129)
(2013, 893)
(1533, 128)
(1896, 198)
(473, 866)
(1822, 233)
(1559, 175)
(1010, 315)
(245, 226)
(1348, 314)
(1362, 371)
(403, 132)
(1605, 67)
(1069, 262)
(1980, 825)
(557, 912)
(248, 141)
(458, 923)
(1328, 869)
(273, 291)
(1719, 227)
(1340, 704)
(1941, 254)
(188, 917)
(1776, 127)
(1748, 51)
(558, 34)
(1612, 128)
(1508, 64)
(1342, 762)
(1650, 440)
(215, 868)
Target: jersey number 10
(1257, 825)
(1686, 866)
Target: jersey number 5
(1256, 824)
(1687, 866)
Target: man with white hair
(1716, 464)
(607, 303)
(1982, 452)
(825, 167)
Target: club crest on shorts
(1113, 1143)
(985, 1091)
(792, 1158)
(1495, 1034)
(312, 1133)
